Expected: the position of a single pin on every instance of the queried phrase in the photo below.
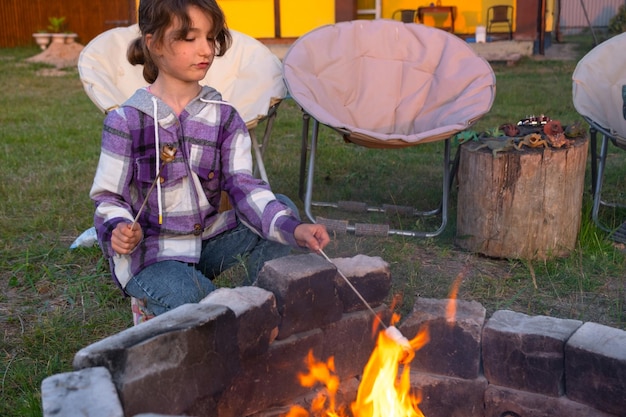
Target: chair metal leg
(307, 174)
(593, 144)
(259, 148)
(308, 197)
(260, 166)
(599, 174)
(303, 153)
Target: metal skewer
(354, 289)
(391, 331)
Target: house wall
(19, 19)
(256, 17)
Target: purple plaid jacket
(213, 154)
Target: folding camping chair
(249, 76)
(599, 95)
(385, 84)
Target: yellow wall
(252, 17)
(300, 16)
(470, 13)
(256, 17)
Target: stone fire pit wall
(238, 353)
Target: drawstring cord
(158, 158)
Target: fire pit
(240, 352)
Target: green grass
(55, 301)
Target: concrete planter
(42, 39)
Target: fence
(19, 19)
(600, 12)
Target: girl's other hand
(124, 239)
(311, 236)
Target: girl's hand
(312, 236)
(124, 238)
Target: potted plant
(56, 28)
(42, 38)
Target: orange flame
(381, 392)
(454, 291)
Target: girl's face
(185, 58)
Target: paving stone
(526, 352)
(257, 316)
(270, 379)
(595, 367)
(454, 345)
(173, 363)
(304, 287)
(444, 396)
(88, 393)
(370, 276)
(507, 402)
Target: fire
(382, 393)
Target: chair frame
(598, 165)
(310, 135)
(601, 103)
(483, 79)
(495, 16)
(403, 14)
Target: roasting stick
(391, 331)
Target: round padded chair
(386, 84)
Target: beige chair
(248, 75)
(500, 15)
(599, 95)
(385, 84)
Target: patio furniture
(500, 15)
(449, 11)
(599, 95)
(385, 84)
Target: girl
(167, 154)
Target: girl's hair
(155, 16)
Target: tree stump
(521, 204)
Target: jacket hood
(142, 101)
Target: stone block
(370, 276)
(346, 394)
(502, 401)
(454, 345)
(173, 363)
(155, 415)
(351, 340)
(595, 368)
(270, 379)
(304, 287)
(89, 393)
(526, 352)
(443, 396)
(257, 316)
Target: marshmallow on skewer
(394, 334)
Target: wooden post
(522, 204)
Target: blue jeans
(169, 284)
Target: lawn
(54, 300)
